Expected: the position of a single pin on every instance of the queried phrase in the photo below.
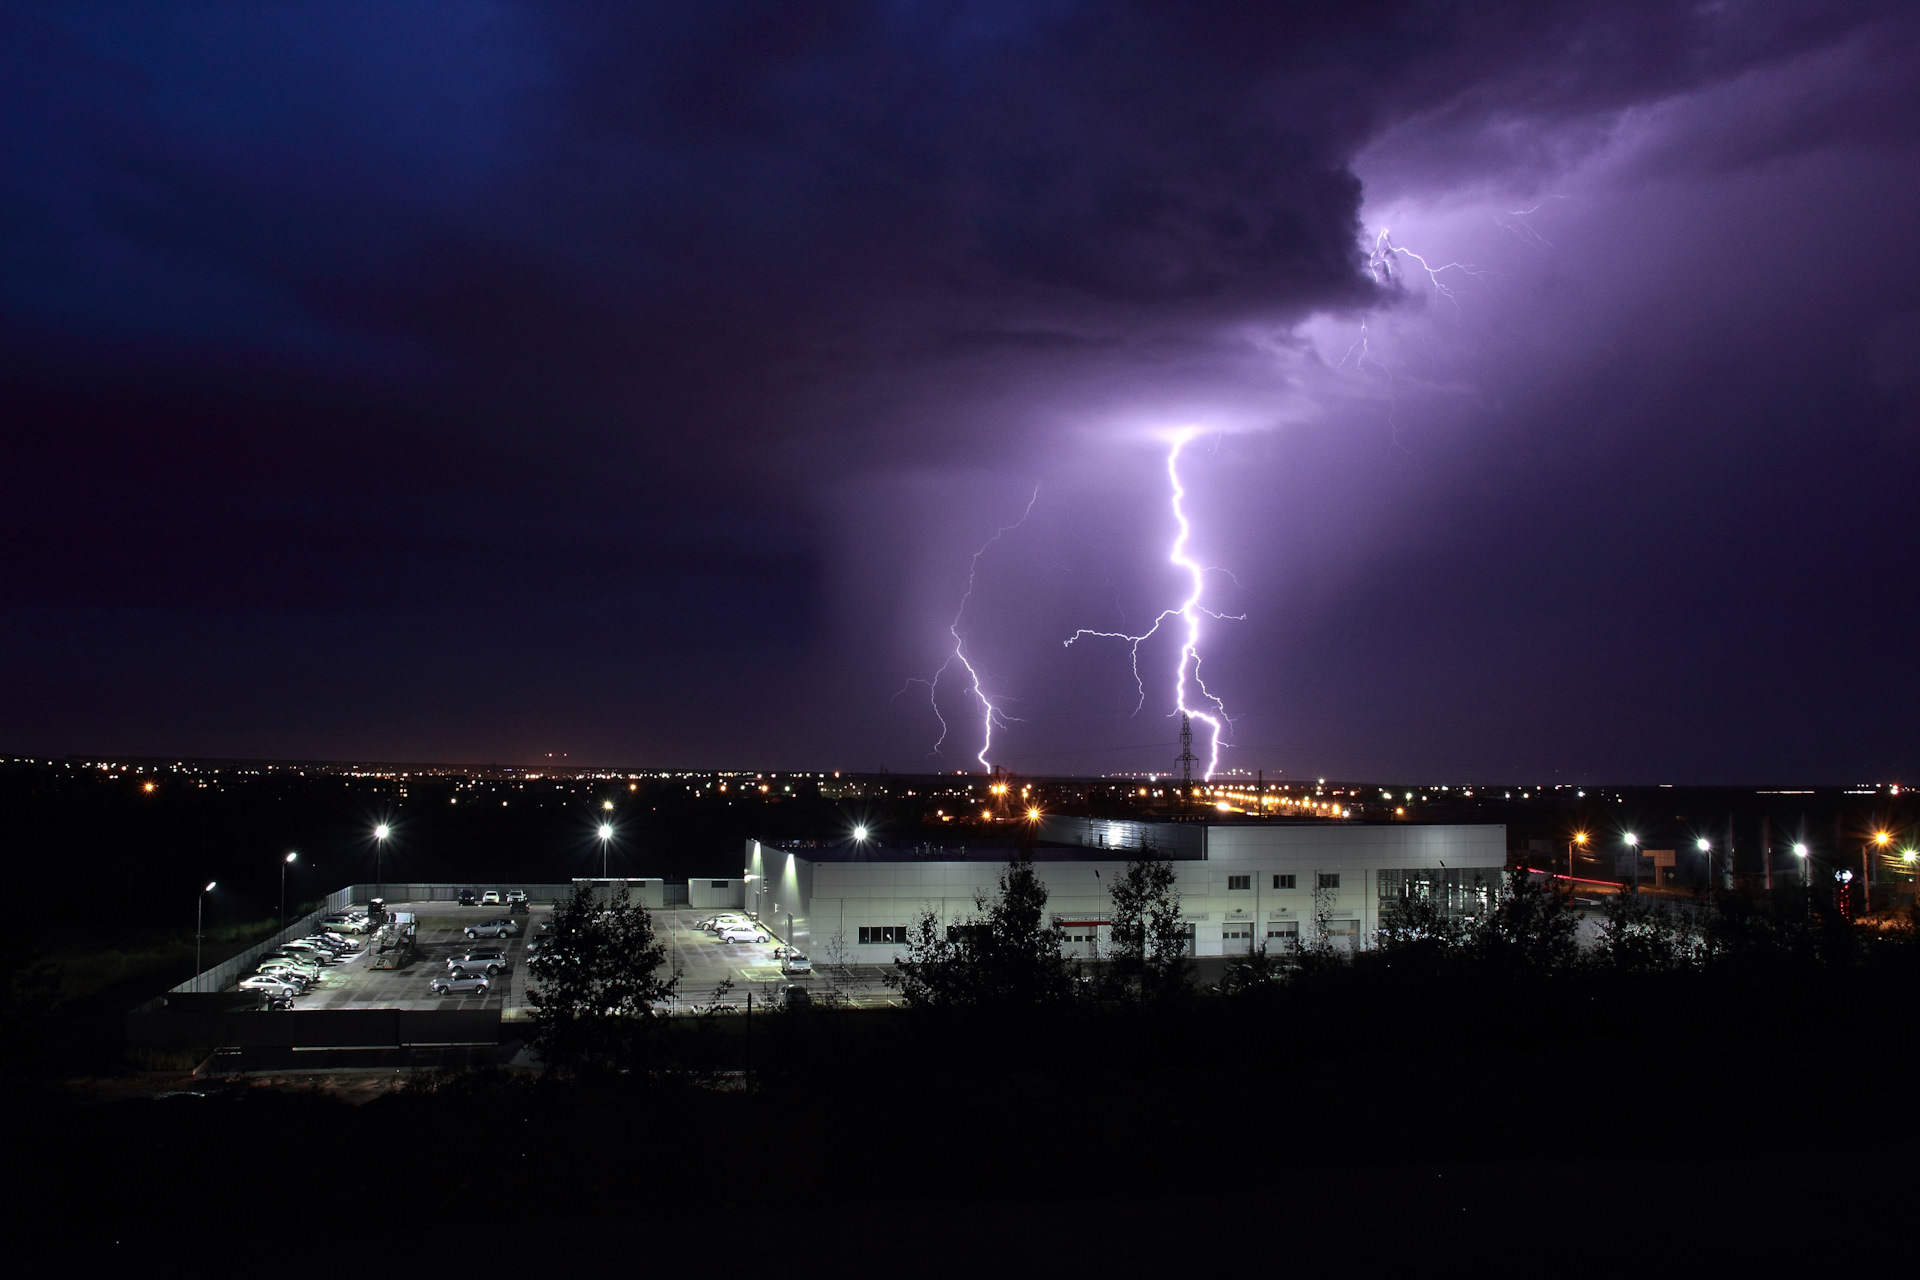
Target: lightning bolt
(1380, 264)
(991, 714)
(1186, 672)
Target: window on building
(1282, 934)
(1239, 882)
(721, 884)
(877, 935)
(1283, 882)
(1329, 880)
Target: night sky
(473, 382)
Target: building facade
(1241, 884)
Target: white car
(741, 933)
(494, 929)
(272, 986)
(794, 962)
(459, 981)
(491, 898)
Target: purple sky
(477, 381)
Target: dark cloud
(585, 342)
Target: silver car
(489, 962)
(460, 982)
(272, 986)
(494, 929)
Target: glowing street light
(380, 834)
(860, 834)
(284, 863)
(605, 832)
(1579, 838)
(199, 931)
(1033, 815)
(1705, 846)
(1633, 842)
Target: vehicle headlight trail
(991, 715)
(1206, 707)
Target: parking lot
(705, 963)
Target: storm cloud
(474, 381)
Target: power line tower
(1185, 761)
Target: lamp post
(606, 835)
(380, 834)
(199, 930)
(1579, 838)
(284, 863)
(1806, 868)
(1706, 847)
(1633, 843)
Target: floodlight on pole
(605, 832)
(380, 834)
(284, 864)
(860, 833)
(199, 930)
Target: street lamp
(380, 834)
(606, 834)
(1705, 846)
(1579, 838)
(1806, 874)
(860, 834)
(284, 863)
(199, 931)
(1633, 843)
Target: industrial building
(1242, 883)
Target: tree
(1530, 928)
(599, 984)
(1149, 941)
(1004, 955)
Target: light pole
(380, 834)
(1706, 847)
(199, 930)
(284, 863)
(606, 835)
(1579, 838)
(1806, 868)
(1633, 843)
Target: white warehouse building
(1241, 884)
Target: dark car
(467, 898)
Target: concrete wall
(717, 895)
(313, 1029)
(645, 891)
(778, 891)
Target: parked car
(460, 983)
(272, 986)
(742, 933)
(306, 951)
(287, 974)
(336, 941)
(344, 924)
(494, 929)
(491, 898)
(794, 962)
(491, 962)
(714, 924)
(797, 998)
(299, 968)
(517, 896)
(466, 898)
